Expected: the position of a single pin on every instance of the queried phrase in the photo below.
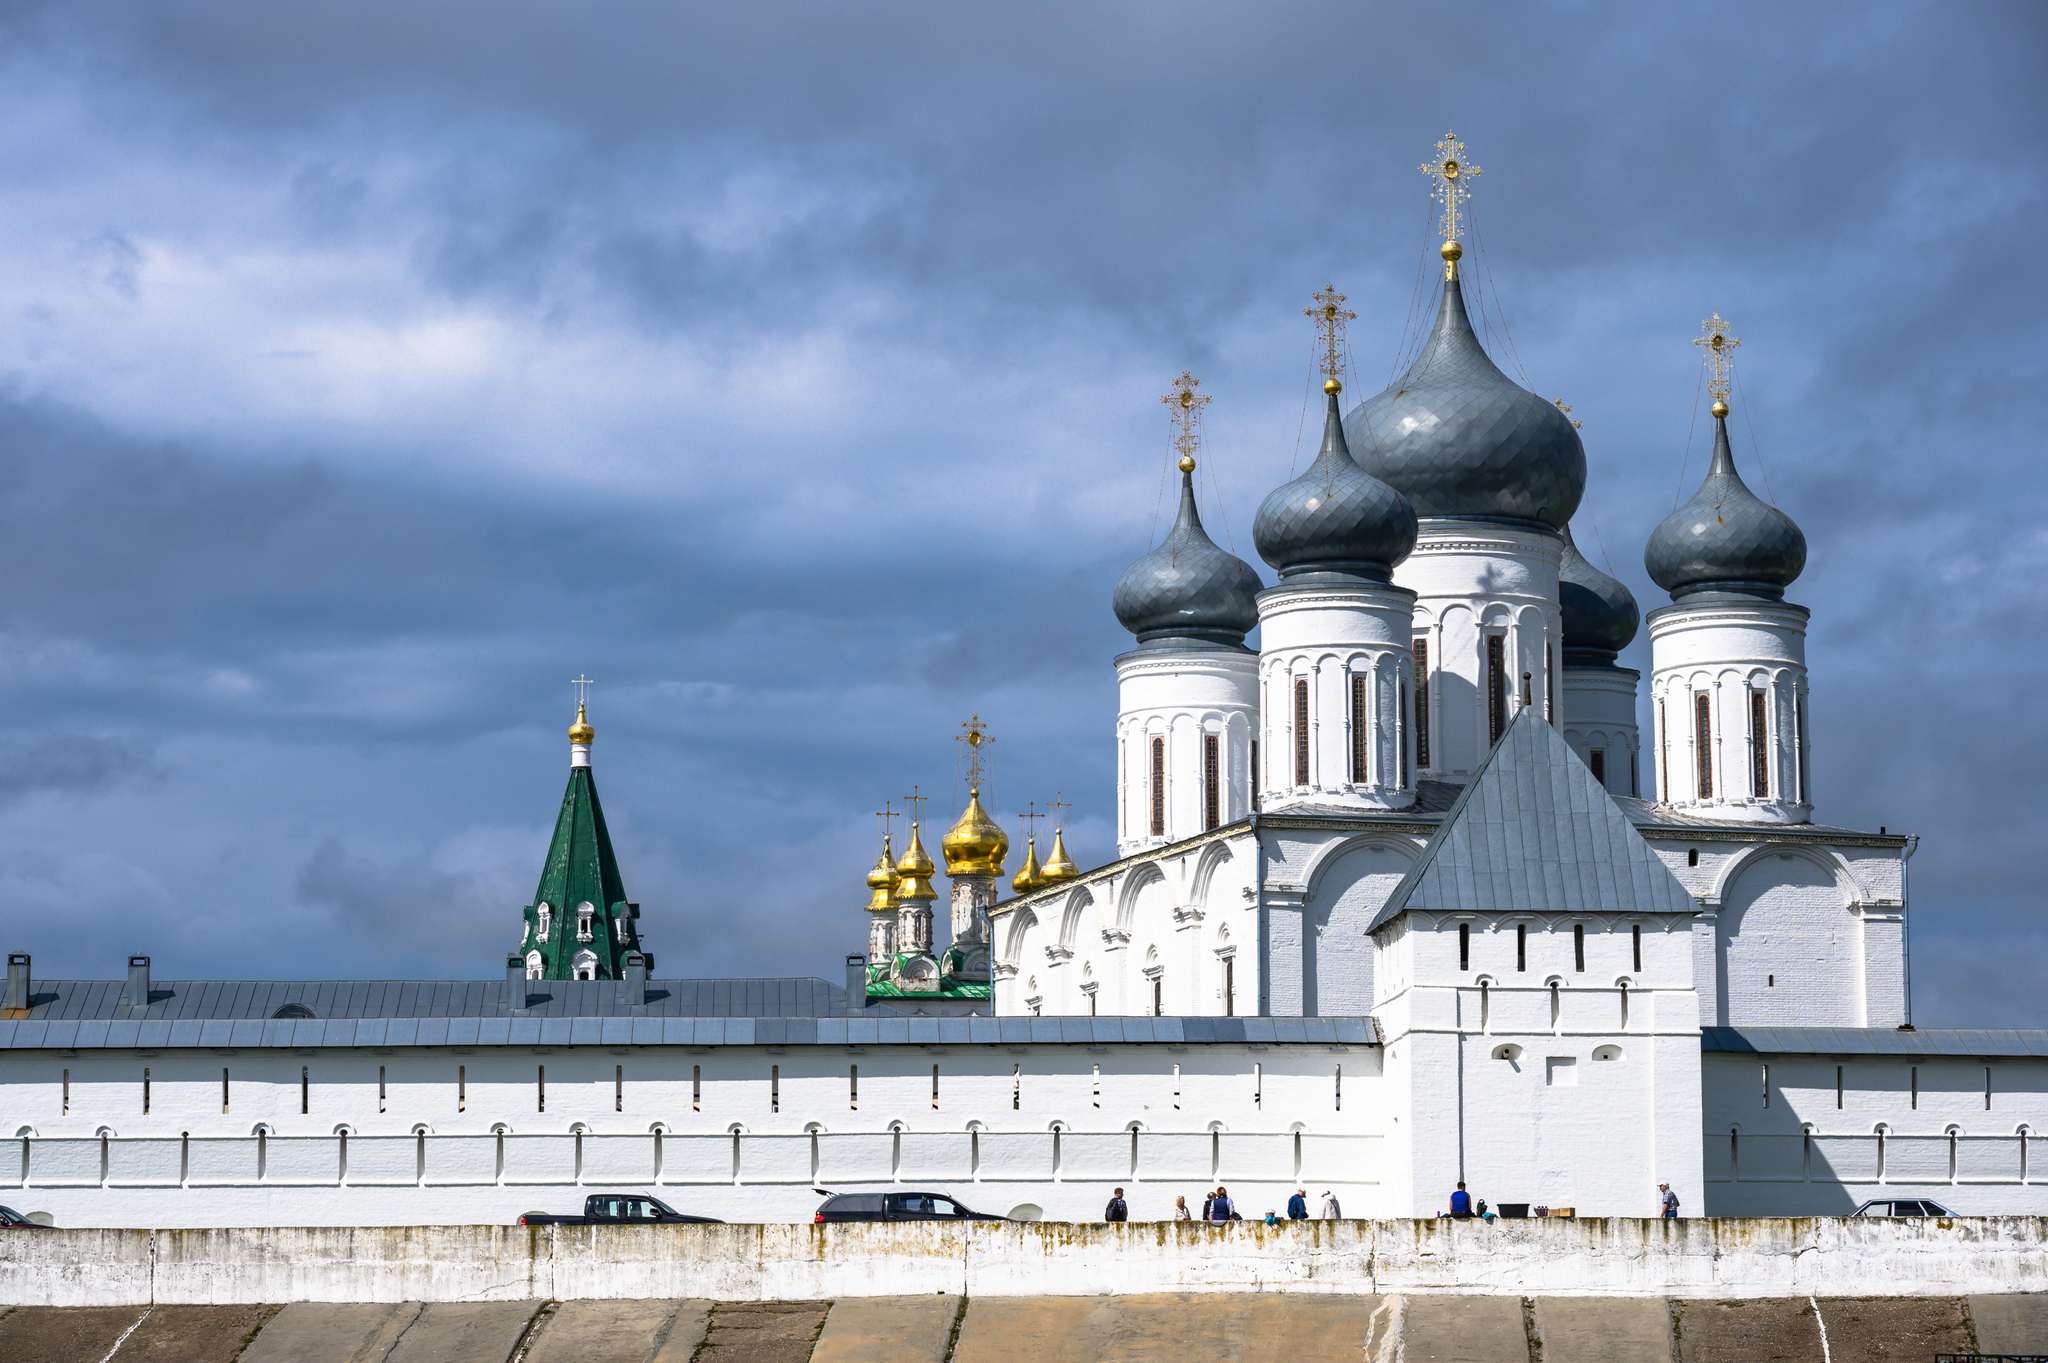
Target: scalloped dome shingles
(1336, 517)
(1726, 539)
(1459, 438)
(1188, 587)
(1600, 614)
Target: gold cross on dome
(1331, 315)
(582, 685)
(976, 738)
(888, 815)
(1060, 805)
(1452, 175)
(1031, 816)
(1186, 406)
(1720, 353)
(1566, 408)
(914, 800)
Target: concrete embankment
(1226, 1327)
(1705, 1258)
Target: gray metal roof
(1990, 1041)
(1652, 817)
(1535, 833)
(1188, 588)
(229, 1000)
(682, 1031)
(1726, 539)
(1461, 439)
(1336, 521)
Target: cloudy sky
(370, 370)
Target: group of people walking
(1218, 1207)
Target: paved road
(1252, 1327)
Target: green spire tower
(580, 925)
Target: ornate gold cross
(1720, 348)
(976, 738)
(1186, 406)
(888, 815)
(582, 685)
(1453, 176)
(1031, 817)
(1331, 315)
(914, 800)
(1060, 804)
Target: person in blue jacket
(1461, 1204)
(1297, 1206)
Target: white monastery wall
(741, 1133)
(1820, 1135)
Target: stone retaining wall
(1619, 1257)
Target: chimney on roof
(856, 986)
(17, 981)
(635, 987)
(138, 982)
(515, 984)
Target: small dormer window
(584, 966)
(584, 913)
(534, 966)
(545, 916)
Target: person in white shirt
(1331, 1212)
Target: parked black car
(620, 1209)
(1918, 1206)
(897, 1207)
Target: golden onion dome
(977, 844)
(1030, 877)
(914, 872)
(1059, 866)
(882, 880)
(580, 731)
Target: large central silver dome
(1460, 439)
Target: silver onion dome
(1336, 521)
(1460, 439)
(1726, 539)
(1188, 589)
(1600, 615)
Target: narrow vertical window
(1422, 704)
(380, 1088)
(1987, 1090)
(67, 1093)
(935, 1088)
(1663, 754)
(775, 1088)
(1017, 1087)
(1496, 686)
(696, 1088)
(1579, 947)
(1767, 1085)
(1550, 687)
(1759, 748)
(1096, 1096)
(1229, 987)
(1212, 785)
(1158, 787)
(1799, 745)
(1635, 788)
(853, 1088)
(1358, 683)
(1635, 933)
(540, 1088)
(305, 1090)
(1340, 1088)
(1301, 732)
(1255, 773)
(1176, 1088)
(145, 1090)
(1597, 760)
(1158, 996)
(1913, 1078)
(1624, 1005)
(462, 1088)
(619, 1087)
(224, 1091)
(1521, 946)
(1258, 1084)
(1703, 726)
(1464, 946)
(1091, 1003)
(1404, 738)
(1838, 1088)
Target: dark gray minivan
(897, 1207)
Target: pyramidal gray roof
(1535, 833)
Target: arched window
(545, 916)
(584, 965)
(535, 967)
(293, 1010)
(584, 913)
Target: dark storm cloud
(790, 368)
